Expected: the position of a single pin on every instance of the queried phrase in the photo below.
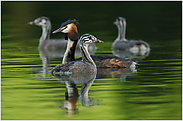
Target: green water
(154, 91)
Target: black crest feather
(69, 22)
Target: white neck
(85, 54)
(69, 45)
(45, 35)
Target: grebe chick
(86, 65)
(121, 43)
(53, 46)
(70, 29)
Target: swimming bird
(121, 43)
(54, 47)
(71, 33)
(86, 65)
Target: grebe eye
(90, 41)
(93, 38)
(65, 27)
(90, 37)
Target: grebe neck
(85, 54)
(70, 51)
(121, 31)
(72, 38)
(45, 35)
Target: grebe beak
(60, 29)
(56, 31)
(34, 22)
(31, 23)
(97, 40)
(116, 22)
(100, 41)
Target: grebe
(121, 43)
(85, 65)
(54, 47)
(70, 29)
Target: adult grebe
(70, 29)
(121, 43)
(55, 47)
(85, 65)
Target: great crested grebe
(121, 43)
(70, 29)
(55, 47)
(85, 65)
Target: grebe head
(85, 40)
(120, 21)
(42, 21)
(68, 27)
(88, 38)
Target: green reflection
(155, 92)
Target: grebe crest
(67, 27)
(70, 29)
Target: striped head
(41, 21)
(88, 38)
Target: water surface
(152, 91)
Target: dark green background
(154, 92)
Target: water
(152, 91)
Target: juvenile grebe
(54, 47)
(70, 29)
(121, 43)
(85, 65)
